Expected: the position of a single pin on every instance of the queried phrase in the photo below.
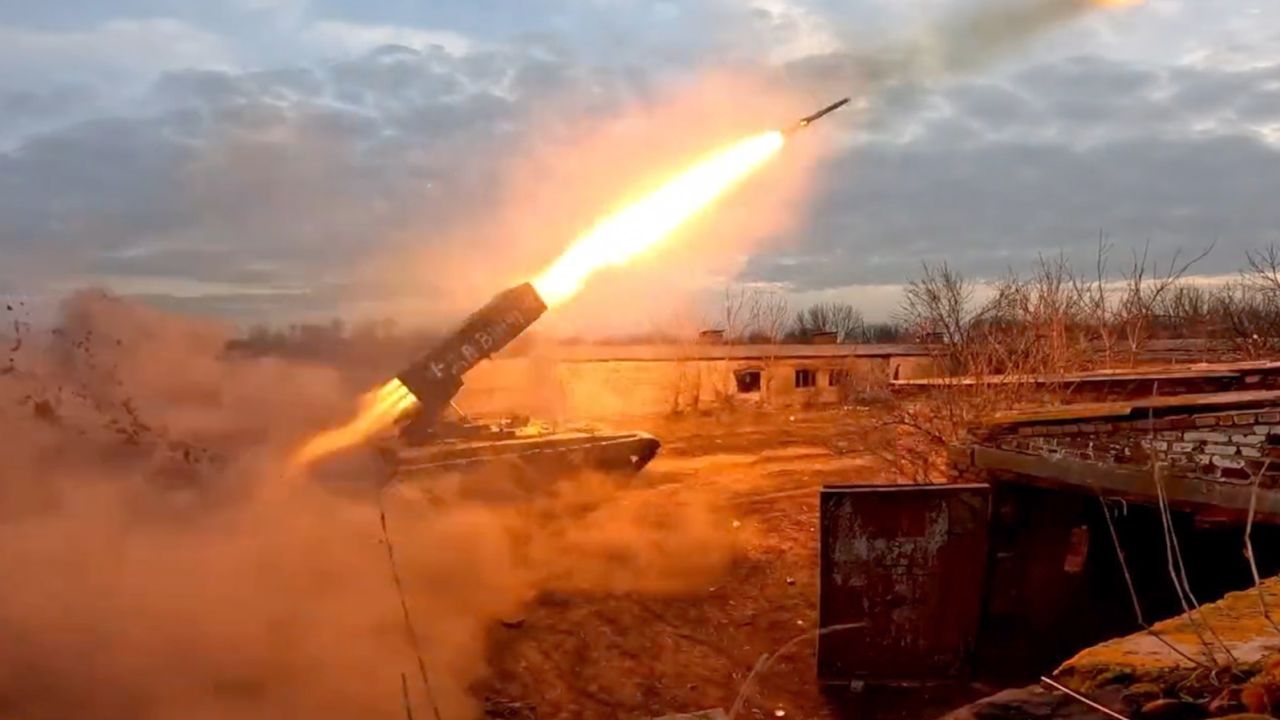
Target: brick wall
(1229, 447)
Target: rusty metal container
(905, 565)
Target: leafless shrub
(1021, 345)
(1248, 317)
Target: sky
(269, 160)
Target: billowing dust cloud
(155, 564)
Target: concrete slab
(1172, 645)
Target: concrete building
(611, 380)
(1060, 527)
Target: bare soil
(632, 656)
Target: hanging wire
(1248, 546)
(1173, 553)
(1133, 593)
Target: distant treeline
(1050, 317)
(337, 339)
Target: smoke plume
(156, 564)
(957, 43)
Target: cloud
(997, 173)
(114, 51)
(352, 38)
(293, 186)
(291, 183)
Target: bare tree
(885, 332)
(767, 315)
(1096, 300)
(939, 306)
(1248, 315)
(1031, 325)
(1145, 287)
(1185, 311)
(734, 312)
(840, 318)
(1248, 310)
(1263, 269)
(752, 314)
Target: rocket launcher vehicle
(435, 378)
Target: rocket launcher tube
(436, 377)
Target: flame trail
(614, 240)
(379, 408)
(645, 223)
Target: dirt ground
(627, 656)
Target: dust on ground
(626, 655)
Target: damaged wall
(1230, 443)
(556, 389)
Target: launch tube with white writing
(436, 377)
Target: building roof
(1204, 371)
(674, 352)
(1159, 406)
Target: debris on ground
(713, 714)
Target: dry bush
(1246, 313)
(1020, 346)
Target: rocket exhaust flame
(643, 225)
(637, 228)
(378, 410)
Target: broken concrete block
(1227, 462)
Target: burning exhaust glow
(643, 224)
(640, 226)
(379, 408)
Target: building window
(748, 381)
(836, 378)
(806, 378)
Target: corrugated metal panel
(908, 563)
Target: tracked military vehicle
(436, 437)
